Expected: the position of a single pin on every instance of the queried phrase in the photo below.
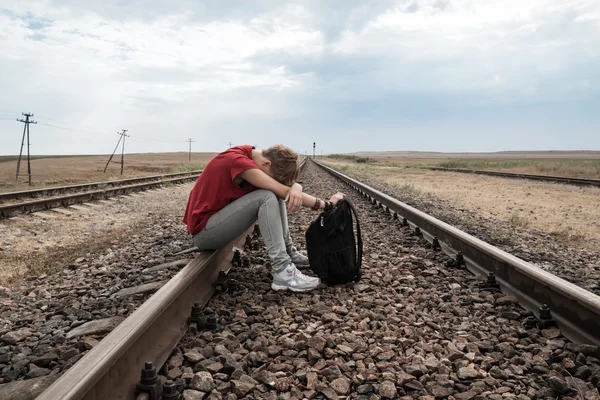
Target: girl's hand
(336, 198)
(294, 198)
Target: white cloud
(182, 66)
(461, 44)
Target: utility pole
(230, 144)
(26, 121)
(122, 135)
(190, 140)
(314, 145)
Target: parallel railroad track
(111, 370)
(55, 191)
(46, 199)
(545, 178)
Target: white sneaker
(291, 278)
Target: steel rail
(546, 178)
(11, 209)
(576, 310)
(112, 368)
(53, 191)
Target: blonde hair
(285, 163)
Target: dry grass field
(579, 164)
(568, 212)
(58, 171)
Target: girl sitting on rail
(242, 184)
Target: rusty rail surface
(576, 310)
(55, 191)
(546, 178)
(11, 209)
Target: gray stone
(241, 387)
(145, 288)
(341, 385)
(311, 380)
(202, 381)
(14, 337)
(94, 327)
(66, 355)
(438, 390)
(177, 263)
(26, 390)
(497, 373)
(588, 350)
(415, 369)
(89, 342)
(345, 349)
(193, 356)
(363, 389)
(188, 374)
(36, 372)
(174, 373)
(559, 385)
(465, 395)
(330, 394)
(404, 378)
(193, 395)
(317, 342)
(266, 378)
(467, 373)
(332, 372)
(44, 360)
(551, 333)
(387, 390)
(361, 287)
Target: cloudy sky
(432, 75)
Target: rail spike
(171, 391)
(196, 318)
(149, 382)
(545, 319)
(490, 284)
(436, 243)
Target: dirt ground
(34, 245)
(60, 171)
(578, 164)
(566, 211)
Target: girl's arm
(263, 181)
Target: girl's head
(282, 163)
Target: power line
(74, 130)
(26, 121)
(103, 133)
(122, 136)
(190, 140)
(158, 140)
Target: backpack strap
(359, 237)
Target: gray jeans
(232, 220)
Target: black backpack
(331, 246)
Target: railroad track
(545, 178)
(51, 198)
(418, 324)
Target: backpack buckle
(322, 222)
